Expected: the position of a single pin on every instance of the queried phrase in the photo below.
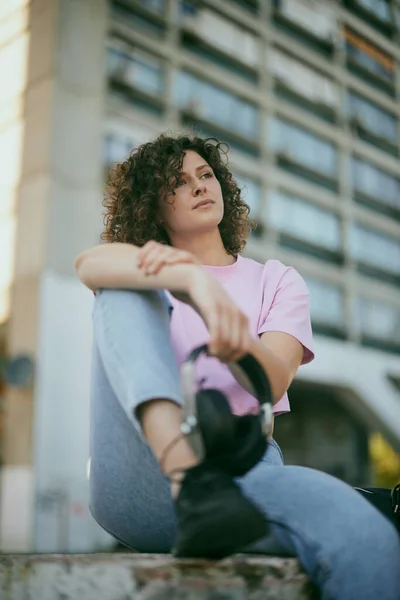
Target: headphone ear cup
(251, 444)
(216, 422)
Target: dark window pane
(251, 193)
(364, 55)
(375, 249)
(134, 68)
(300, 146)
(219, 40)
(213, 104)
(304, 220)
(313, 25)
(375, 183)
(372, 118)
(303, 85)
(326, 302)
(379, 321)
(137, 18)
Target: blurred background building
(306, 93)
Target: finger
(229, 332)
(213, 324)
(238, 343)
(177, 261)
(243, 350)
(170, 257)
(244, 342)
(152, 256)
(234, 348)
(154, 264)
(157, 263)
(144, 251)
(179, 257)
(223, 341)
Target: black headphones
(235, 443)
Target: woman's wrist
(189, 277)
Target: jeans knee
(142, 303)
(118, 296)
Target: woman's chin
(208, 220)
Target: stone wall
(150, 577)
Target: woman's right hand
(153, 256)
(228, 326)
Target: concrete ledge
(150, 577)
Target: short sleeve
(289, 310)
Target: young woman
(170, 278)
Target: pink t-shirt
(274, 298)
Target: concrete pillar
(58, 214)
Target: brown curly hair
(152, 172)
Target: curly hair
(152, 172)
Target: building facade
(306, 93)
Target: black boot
(215, 519)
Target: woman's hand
(153, 256)
(228, 326)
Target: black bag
(385, 500)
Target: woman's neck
(208, 248)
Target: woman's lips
(203, 203)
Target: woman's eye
(207, 175)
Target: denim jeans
(346, 546)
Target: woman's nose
(200, 188)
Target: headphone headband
(247, 366)
(250, 367)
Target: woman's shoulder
(273, 274)
(271, 267)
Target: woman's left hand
(153, 256)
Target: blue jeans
(346, 546)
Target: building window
(157, 6)
(215, 105)
(379, 8)
(305, 227)
(326, 307)
(375, 12)
(303, 85)
(379, 323)
(147, 17)
(119, 140)
(312, 24)
(372, 122)
(135, 68)
(219, 40)
(116, 148)
(250, 5)
(296, 146)
(251, 193)
(376, 188)
(375, 252)
(367, 60)
(304, 220)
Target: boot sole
(220, 538)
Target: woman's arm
(280, 355)
(116, 266)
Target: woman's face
(197, 206)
